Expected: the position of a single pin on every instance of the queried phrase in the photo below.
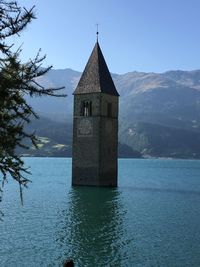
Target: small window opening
(109, 109)
(86, 108)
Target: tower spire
(96, 76)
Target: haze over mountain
(159, 113)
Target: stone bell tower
(95, 125)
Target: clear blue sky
(141, 35)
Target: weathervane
(97, 31)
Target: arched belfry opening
(95, 125)
(86, 108)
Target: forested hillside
(159, 114)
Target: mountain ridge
(170, 99)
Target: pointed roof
(96, 77)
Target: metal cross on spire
(97, 33)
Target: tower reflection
(92, 231)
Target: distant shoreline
(146, 158)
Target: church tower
(95, 125)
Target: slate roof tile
(96, 76)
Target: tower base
(90, 177)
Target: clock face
(85, 127)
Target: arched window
(86, 108)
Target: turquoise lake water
(151, 219)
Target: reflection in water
(92, 227)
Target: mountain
(154, 140)
(55, 140)
(159, 112)
(58, 109)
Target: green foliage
(154, 140)
(17, 79)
